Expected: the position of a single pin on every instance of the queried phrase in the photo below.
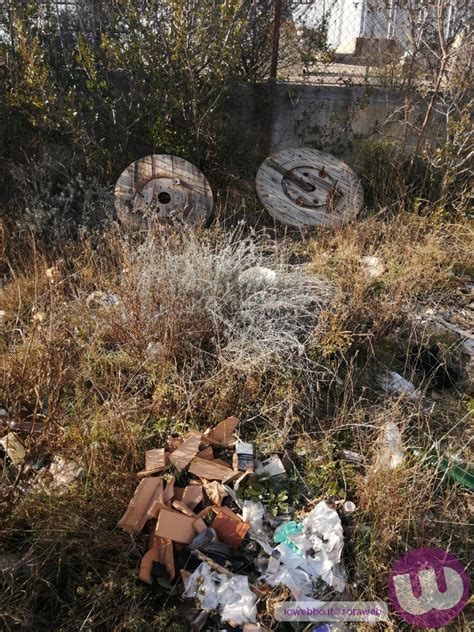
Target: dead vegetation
(113, 344)
(226, 300)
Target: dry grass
(426, 259)
(230, 301)
(187, 343)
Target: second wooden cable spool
(162, 188)
(306, 187)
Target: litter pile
(210, 543)
(23, 472)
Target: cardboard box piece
(192, 495)
(156, 461)
(214, 491)
(199, 525)
(174, 443)
(182, 508)
(162, 552)
(168, 494)
(207, 453)
(178, 493)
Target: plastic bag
(231, 596)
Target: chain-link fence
(336, 42)
(377, 41)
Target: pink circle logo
(428, 587)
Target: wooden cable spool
(306, 187)
(162, 188)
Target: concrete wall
(276, 116)
(306, 114)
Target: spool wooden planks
(162, 188)
(306, 187)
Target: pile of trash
(211, 544)
(24, 472)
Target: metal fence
(348, 42)
(375, 41)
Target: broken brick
(209, 469)
(175, 526)
(192, 495)
(229, 530)
(149, 491)
(182, 456)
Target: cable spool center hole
(164, 197)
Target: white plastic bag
(253, 513)
(298, 582)
(231, 596)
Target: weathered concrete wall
(281, 115)
(308, 114)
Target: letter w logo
(431, 597)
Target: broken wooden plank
(215, 566)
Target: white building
(349, 20)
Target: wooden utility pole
(276, 39)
